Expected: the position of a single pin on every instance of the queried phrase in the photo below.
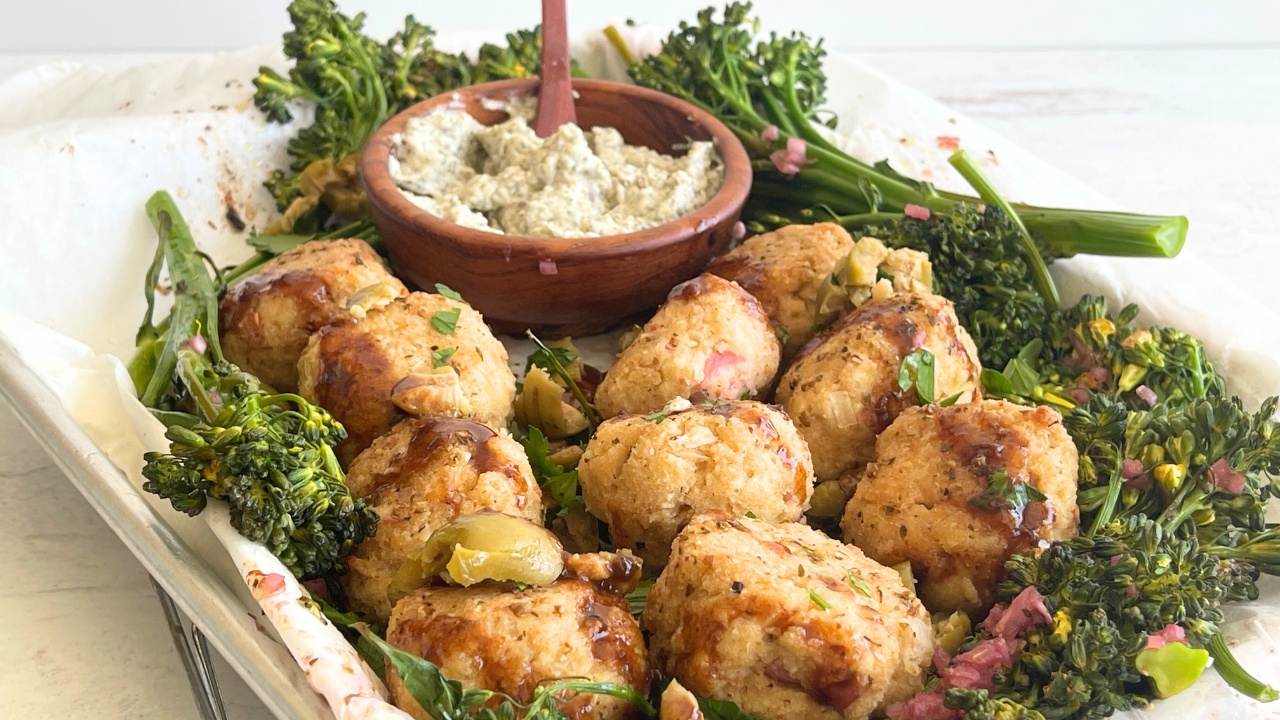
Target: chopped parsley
(817, 600)
(447, 291)
(446, 321)
(917, 371)
(1003, 493)
(441, 357)
(858, 585)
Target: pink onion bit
(548, 267)
(919, 212)
(1147, 394)
(197, 344)
(948, 142)
(1225, 478)
(769, 134)
(1130, 469)
(739, 230)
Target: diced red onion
(948, 142)
(1026, 610)
(548, 267)
(1131, 592)
(924, 706)
(739, 230)
(1130, 468)
(769, 134)
(941, 658)
(1080, 395)
(797, 150)
(1142, 482)
(1225, 478)
(919, 212)
(1099, 374)
(1147, 394)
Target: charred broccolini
(269, 456)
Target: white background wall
(109, 25)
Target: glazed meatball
(507, 640)
(647, 478)
(423, 474)
(923, 498)
(784, 269)
(785, 621)
(424, 355)
(710, 337)
(264, 321)
(842, 389)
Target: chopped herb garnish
(447, 291)
(1003, 493)
(657, 417)
(441, 357)
(560, 482)
(446, 321)
(555, 367)
(751, 515)
(858, 585)
(817, 600)
(949, 401)
(781, 333)
(917, 371)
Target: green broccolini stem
(1235, 675)
(964, 164)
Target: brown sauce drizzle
(434, 435)
(983, 443)
(307, 287)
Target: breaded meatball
(647, 478)
(423, 474)
(499, 638)
(842, 388)
(424, 355)
(785, 621)
(710, 337)
(264, 321)
(922, 499)
(784, 269)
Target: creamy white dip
(505, 179)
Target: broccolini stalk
(770, 92)
(270, 457)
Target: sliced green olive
(828, 500)
(951, 632)
(541, 404)
(904, 571)
(481, 546)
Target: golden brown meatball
(425, 355)
(506, 640)
(710, 337)
(647, 478)
(264, 320)
(842, 388)
(784, 269)
(785, 621)
(423, 474)
(917, 500)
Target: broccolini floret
(269, 456)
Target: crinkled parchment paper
(81, 149)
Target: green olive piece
(540, 404)
(828, 500)
(481, 546)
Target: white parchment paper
(81, 149)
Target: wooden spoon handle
(555, 93)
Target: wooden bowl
(561, 286)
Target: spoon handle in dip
(555, 92)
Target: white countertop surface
(1189, 131)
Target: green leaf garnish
(1003, 493)
(447, 291)
(440, 357)
(949, 401)
(817, 600)
(858, 585)
(560, 482)
(446, 321)
(917, 371)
